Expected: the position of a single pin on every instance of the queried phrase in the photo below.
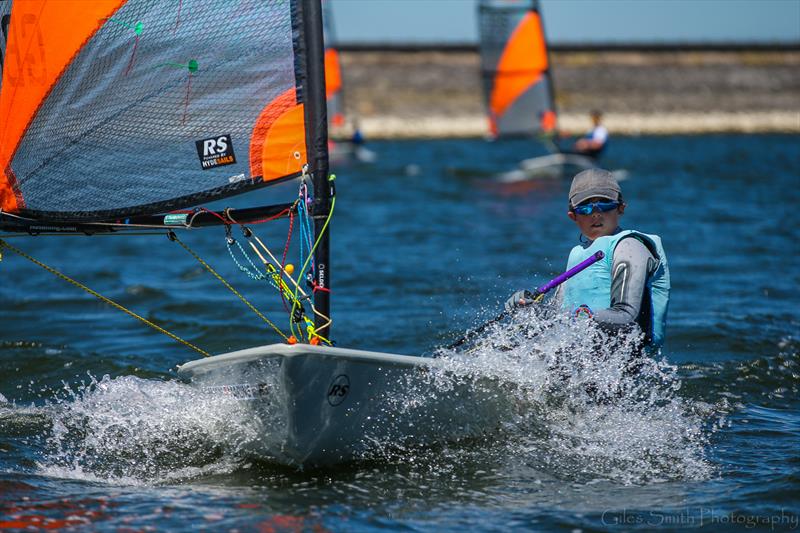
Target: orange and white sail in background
(117, 107)
(333, 69)
(333, 87)
(515, 67)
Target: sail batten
(143, 109)
(515, 68)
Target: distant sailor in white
(594, 142)
(630, 286)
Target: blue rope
(243, 268)
(306, 235)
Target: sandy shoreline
(435, 93)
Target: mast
(316, 115)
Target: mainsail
(515, 68)
(113, 108)
(113, 111)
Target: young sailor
(630, 285)
(594, 142)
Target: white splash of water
(589, 404)
(134, 431)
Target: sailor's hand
(519, 299)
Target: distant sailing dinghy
(518, 85)
(341, 150)
(142, 111)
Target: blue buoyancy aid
(592, 287)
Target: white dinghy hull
(553, 166)
(316, 405)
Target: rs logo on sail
(214, 146)
(215, 152)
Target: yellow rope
(287, 291)
(312, 332)
(291, 297)
(272, 270)
(230, 287)
(103, 298)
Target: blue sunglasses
(602, 207)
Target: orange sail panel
(43, 37)
(333, 86)
(549, 121)
(521, 65)
(278, 143)
(333, 75)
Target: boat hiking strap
(4, 244)
(208, 267)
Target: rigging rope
(295, 314)
(276, 269)
(310, 257)
(208, 267)
(4, 244)
(257, 276)
(274, 275)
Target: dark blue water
(97, 434)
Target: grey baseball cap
(594, 182)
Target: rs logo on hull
(338, 389)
